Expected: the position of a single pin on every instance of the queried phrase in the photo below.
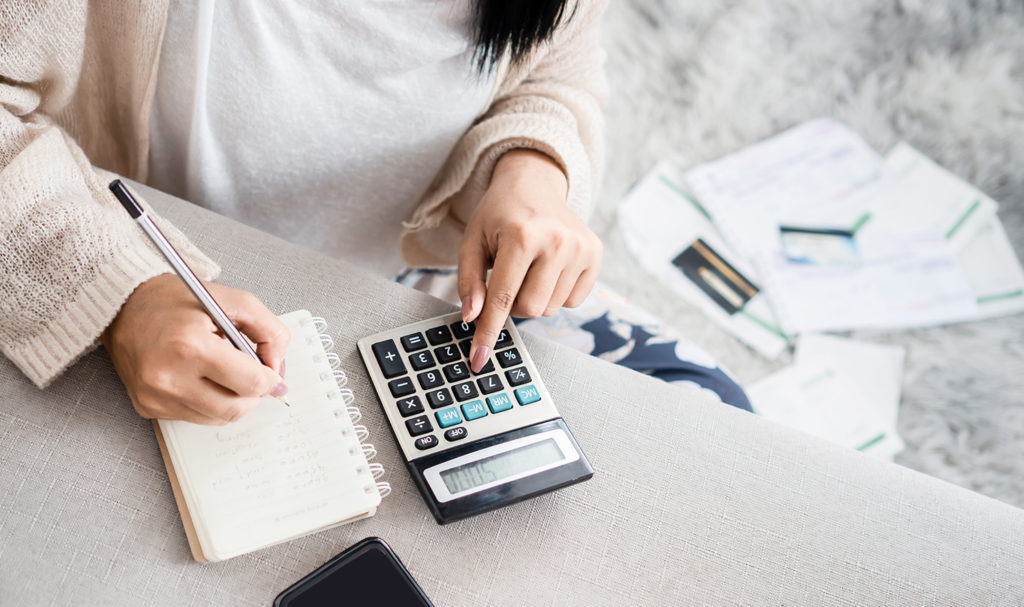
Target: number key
(464, 391)
(439, 398)
(456, 372)
(489, 384)
(430, 379)
(509, 358)
(421, 360)
(463, 329)
(447, 354)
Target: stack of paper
(673, 237)
(842, 390)
(812, 231)
(929, 248)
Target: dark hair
(514, 27)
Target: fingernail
(467, 308)
(279, 390)
(282, 365)
(479, 358)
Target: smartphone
(368, 573)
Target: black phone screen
(367, 574)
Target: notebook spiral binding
(337, 380)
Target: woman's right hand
(174, 362)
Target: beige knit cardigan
(76, 87)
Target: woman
(478, 123)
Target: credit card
(716, 277)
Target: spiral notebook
(280, 472)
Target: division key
(390, 361)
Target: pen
(184, 272)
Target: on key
(390, 361)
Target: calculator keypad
(439, 358)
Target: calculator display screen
(501, 466)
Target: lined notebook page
(280, 472)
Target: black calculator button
(464, 346)
(465, 391)
(489, 384)
(390, 361)
(488, 368)
(426, 442)
(439, 398)
(456, 372)
(446, 354)
(413, 342)
(518, 376)
(457, 433)
(422, 360)
(509, 358)
(418, 425)
(401, 387)
(439, 335)
(430, 379)
(410, 406)
(504, 340)
(463, 329)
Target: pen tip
(284, 400)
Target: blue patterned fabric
(611, 328)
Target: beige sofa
(692, 502)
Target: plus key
(386, 353)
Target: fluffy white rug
(692, 81)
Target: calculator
(472, 442)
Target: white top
(321, 122)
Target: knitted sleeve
(69, 254)
(552, 104)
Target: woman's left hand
(543, 255)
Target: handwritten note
(280, 471)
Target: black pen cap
(126, 198)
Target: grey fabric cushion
(692, 501)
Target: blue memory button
(474, 410)
(448, 417)
(527, 395)
(499, 403)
